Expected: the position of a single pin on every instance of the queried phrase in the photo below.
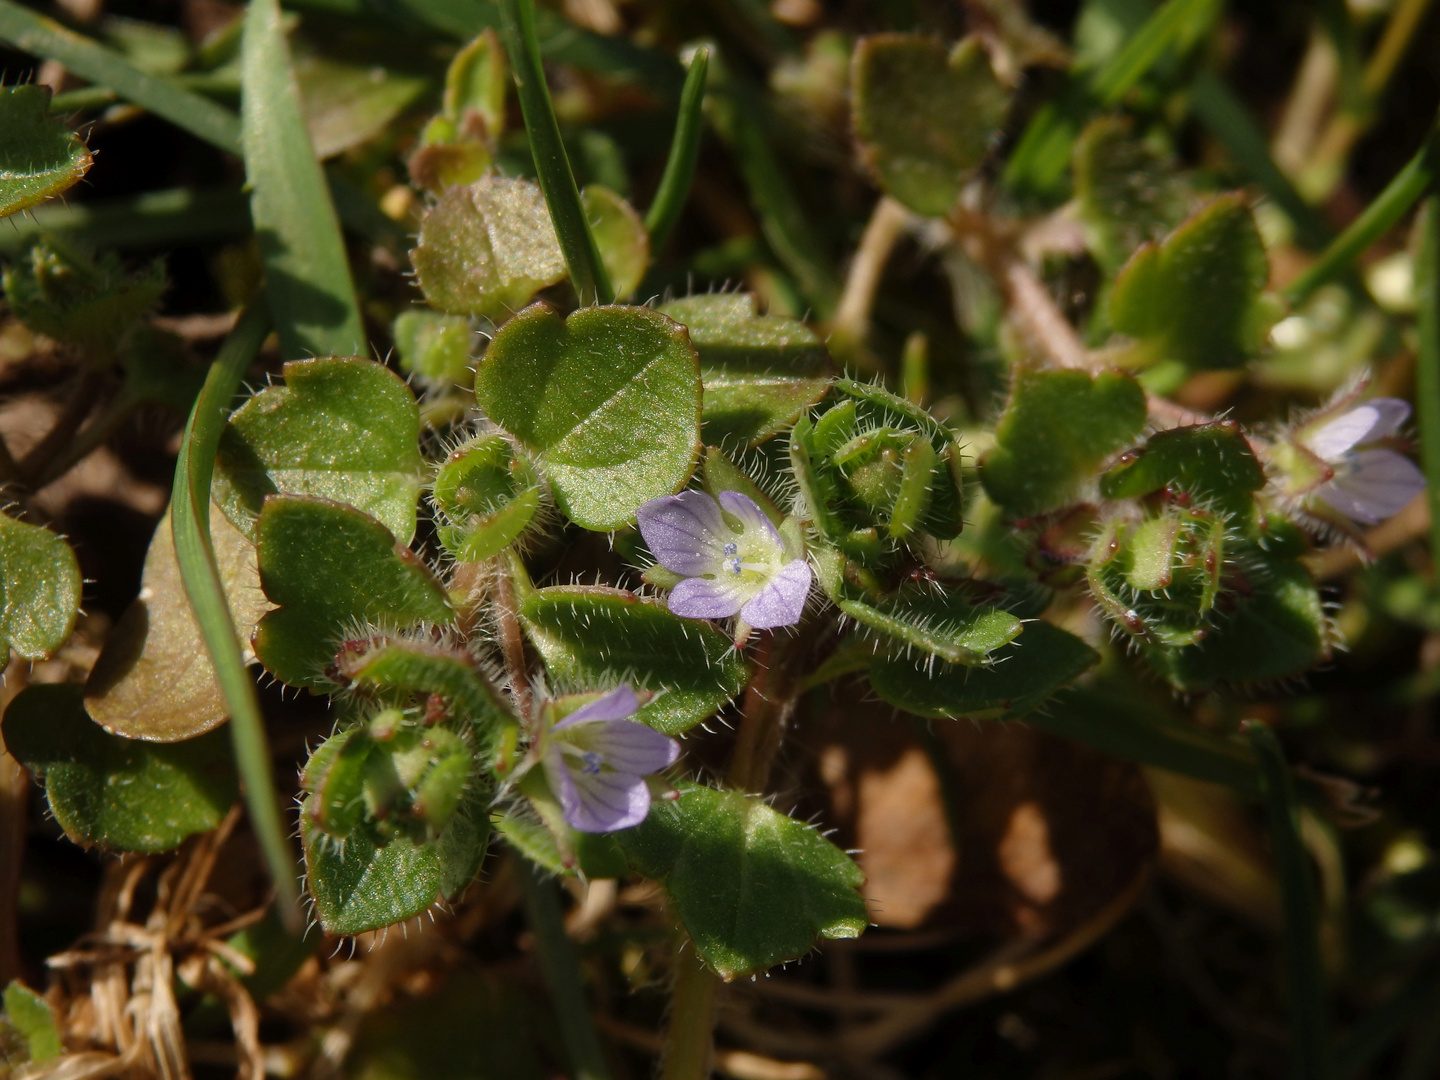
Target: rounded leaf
(607, 400)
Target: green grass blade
(561, 966)
(552, 165)
(190, 519)
(674, 187)
(154, 219)
(1305, 977)
(1427, 363)
(1411, 182)
(40, 36)
(307, 275)
(1144, 48)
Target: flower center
(590, 763)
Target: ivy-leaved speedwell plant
(785, 520)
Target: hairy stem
(689, 1041)
(512, 639)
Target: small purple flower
(596, 761)
(1368, 483)
(726, 569)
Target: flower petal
(606, 801)
(702, 598)
(1375, 419)
(628, 746)
(685, 532)
(755, 520)
(1378, 485)
(616, 705)
(782, 601)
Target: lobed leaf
(1213, 464)
(486, 249)
(359, 885)
(1058, 426)
(1126, 193)
(1278, 631)
(331, 568)
(1195, 296)
(39, 156)
(593, 636)
(607, 400)
(118, 794)
(925, 116)
(1018, 679)
(341, 427)
(760, 372)
(752, 887)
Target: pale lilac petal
(702, 598)
(750, 514)
(685, 532)
(1375, 419)
(557, 774)
(1378, 485)
(629, 746)
(782, 601)
(606, 801)
(616, 705)
(1392, 413)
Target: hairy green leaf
(39, 589)
(119, 794)
(1211, 463)
(608, 400)
(1019, 678)
(1195, 297)
(486, 249)
(752, 887)
(925, 116)
(760, 372)
(1126, 192)
(592, 636)
(340, 427)
(436, 347)
(39, 156)
(332, 569)
(1057, 427)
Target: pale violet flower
(728, 569)
(1363, 481)
(596, 761)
